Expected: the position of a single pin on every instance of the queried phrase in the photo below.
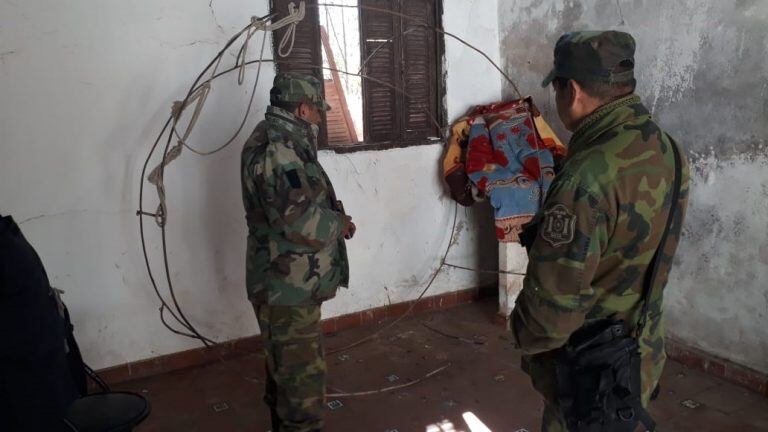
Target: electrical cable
(187, 324)
(463, 339)
(382, 45)
(388, 389)
(485, 271)
(435, 273)
(161, 214)
(247, 111)
(423, 23)
(240, 64)
(198, 93)
(201, 90)
(96, 378)
(164, 306)
(434, 276)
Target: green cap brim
(550, 77)
(324, 106)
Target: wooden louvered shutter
(419, 70)
(381, 49)
(305, 57)
(306, 47)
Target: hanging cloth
(507, 152)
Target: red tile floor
(483, 381)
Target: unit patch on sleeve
(293, 179)
(559, 225)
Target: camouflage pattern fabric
(551, 419)
(601, 224)
(295, 255)
(594, 56)
(296, 87)
(296, 368)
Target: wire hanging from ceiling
(197, 97)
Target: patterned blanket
(505, 151)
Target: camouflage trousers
(296, 369)
(552, 421)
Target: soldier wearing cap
(296, 256)
(603, 217)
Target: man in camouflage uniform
(603, 217)
(296, 256)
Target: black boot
(275, 420)
(655, 393)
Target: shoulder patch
(559, 225)
(293, 179)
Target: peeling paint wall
(84, 88)
(702, 67)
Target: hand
(349, 228)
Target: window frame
(440, 86)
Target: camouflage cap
(594, 56)
(296, 87)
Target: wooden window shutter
(419, 70)
(305, 57)
(381, 49)
(306, 46)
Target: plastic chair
(107, 412)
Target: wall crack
(621, 13)
(5, 54)
(215, 19)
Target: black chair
(41, 377)
(107, 412)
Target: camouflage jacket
(296, 253)
(602, 222)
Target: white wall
(85, 87)
(702, 68)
